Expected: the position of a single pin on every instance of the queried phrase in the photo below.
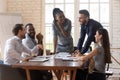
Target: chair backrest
(108, 72)
(9, 73)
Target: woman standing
(62, 39)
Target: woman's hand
(60, 26)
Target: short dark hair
(16, 28)
(85, 12)
(29, 24)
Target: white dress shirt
(13, 50)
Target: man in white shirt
(13, 51)
(14, 47)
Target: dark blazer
(89, 29)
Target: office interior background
(39, 12)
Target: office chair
(108, 72)
(9, 73)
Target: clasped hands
(80, 56)
(40, 46)
(39, 37)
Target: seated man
(29, 40)
(14, 49)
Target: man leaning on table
(13, 51)
(89, 28)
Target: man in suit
(89, 28)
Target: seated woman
(101, 55)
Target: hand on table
(77, 53)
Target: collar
(18, 39)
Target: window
(64, 5)
(71, 9)
(99, 10)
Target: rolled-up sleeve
(34, 50)
(81, 39)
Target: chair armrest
(108, 72)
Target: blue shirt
(89, 29)
(29, 42)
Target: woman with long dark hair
(101, 55)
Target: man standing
(89, 27)
(29, 40)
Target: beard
(32, 36)
(83, 22)
(23, 36)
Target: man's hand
(40, 46)
(39, 36)
(77, 53)
(26, 59)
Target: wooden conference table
(56, 65)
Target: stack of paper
(62, 55)
(39, 59)
(71, 58)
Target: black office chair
(9, 73)
(108, 72)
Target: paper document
(39, 59)
(61, 55)
(70, 58)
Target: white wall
(115, 23)
(7, 21)
(3, 6)
(115, 30)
